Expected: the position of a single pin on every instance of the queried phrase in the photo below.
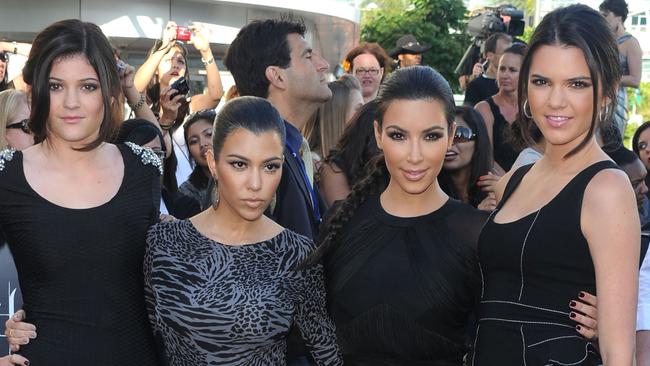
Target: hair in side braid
(374, 181)
(410, 83)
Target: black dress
(400, 290)
(80, 270)
(532, 268)
(504, 153)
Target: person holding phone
(162, 72)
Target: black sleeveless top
(80, 270)
(531, 269)
(504, 153)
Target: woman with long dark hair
(75, 209)
(468, 160)
(569, 222)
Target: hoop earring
(602, 115)
(528, 115)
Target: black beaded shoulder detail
(147, 156)
(5, 156)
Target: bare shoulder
(331, 171)
(607, 187)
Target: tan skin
(248, 168)
(560, 95)
(630, 48)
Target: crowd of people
(362, 221)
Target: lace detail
(146, 155)
(6, 155)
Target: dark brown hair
(370, 48)
(63, 39)
(581, 27)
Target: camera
(503, 19)
(183, 33)
(181, 86)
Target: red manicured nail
(572, 303)
(573, 315)
(582, 294)
(578, 327)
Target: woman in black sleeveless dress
(75, 209)
(569, 222)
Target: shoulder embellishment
(5, 156)
(146, 155)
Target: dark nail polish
(578, 327)
(573, 315)
(582, 294)
(26, 363)
(572, 304)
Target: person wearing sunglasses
(468, 160)
(14, 120)
(368, 62)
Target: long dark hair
(584, 28)
(63, 39)
(357, 145)
(411, 83)
(481, 158)
(637, 134)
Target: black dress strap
(513, 183)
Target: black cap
(407, 44)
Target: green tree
(439, 23)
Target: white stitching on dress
(524, 305)
(526, 322)
(521, 261)
(574, 363)
(478, 328)
(553, 339)
(523, 343)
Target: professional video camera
(490, 20)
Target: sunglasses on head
(4, 56)
(23, 125)
(464, 134)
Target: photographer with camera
(162, 74)
(485, 85)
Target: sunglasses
(4, 56)
(464, 134)
(23, 125)
(161, 154)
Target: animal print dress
(217, 304)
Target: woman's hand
(489, 203)
(127, 74)
(18, 332)
(488, 182)
(169, 35)
(169, 105)
(13, 360)
(584, 312)
(200, 38)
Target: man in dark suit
(271, 59)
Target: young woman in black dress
(400, 255)
(569, 222)
(75, 209)
(222, 286)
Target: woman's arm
(314, 323)
(201, 41)
(634, 56)
(134, 98)
(148, 69)
(333, 184)
(610, 223)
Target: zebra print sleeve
(316, 327)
